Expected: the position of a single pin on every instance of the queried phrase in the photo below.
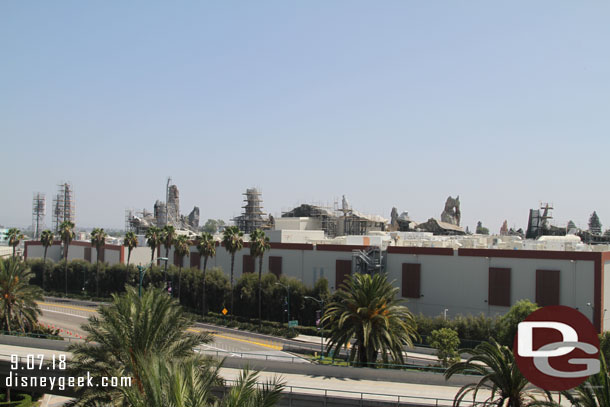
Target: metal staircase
(368, 261)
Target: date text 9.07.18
(37, 362)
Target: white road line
(222, 350)
(65, 313)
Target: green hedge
(112, 279)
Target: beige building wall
(305, 265)
(606, 296)
(77, 250)
(140, 256)
(35, 250)
(461, 283)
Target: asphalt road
(69, 318)
(69, 315)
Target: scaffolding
(39, 210)
(327, 216)
(138, 221)
(64, 206)
(327, 219)
(252, 216)
(354, 225)
(538, 222)
(546, 209)
(128, 216)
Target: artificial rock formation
(166, 214)
(451, 214)
(193, 219)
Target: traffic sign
(293, 324)
(225, 311)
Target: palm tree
(131, 242)
(232, 239)
(206, 246)
(500, 377)
(153, 240)
(595, 391)
(17, 297)
(168, 236)
(46, 238)
(14, 236)
(367, 310)
(189, 383)
(259, 244)
(185, 383)
(127, 332)
(98, 239)
(244, 392)
(66, 232)
(181, 248)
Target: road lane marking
(265, 345)
(221, 350)
(50, 304)
(65, 313)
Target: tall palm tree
(168, 237)
(259, 244)
(14, 236)
(98, 239)
(182, 248)
(206, 246)
(233, 241)
(127, 332)
(595, 391)
(131, 242)
(153, 240)
(17, 297)
(46, 238)
(367, 310)
(66, 232)
(500, 377)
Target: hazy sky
(392, 103)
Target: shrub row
(188, 285)
(266, 327)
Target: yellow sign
(224, 311)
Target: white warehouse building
(431, 279)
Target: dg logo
(556, 348)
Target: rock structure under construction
(451, 214)
(165, 213)
(253, 217)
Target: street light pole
(321, 304)
(164, 271)
(287, 299)
(142, 271)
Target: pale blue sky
(393, 103)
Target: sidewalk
(49, 400)
(417, 352)
(368, 389)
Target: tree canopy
(366, 309)
(595, 226)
